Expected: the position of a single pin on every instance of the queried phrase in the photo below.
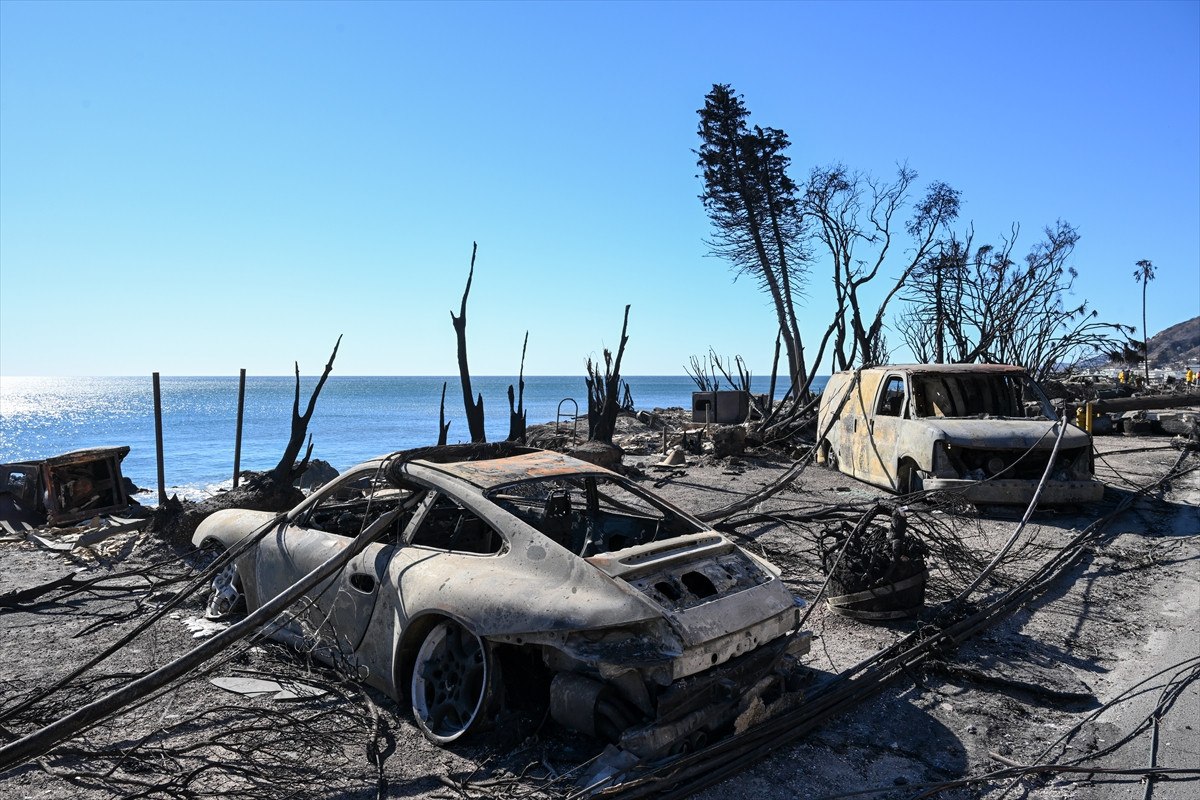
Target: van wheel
(829, 456)
(908, 479)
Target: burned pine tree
(473, 407)
(755, 212)
(605, 391)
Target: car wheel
(908, 479)
(225, 598)
(452, 682)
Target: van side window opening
(891, 398)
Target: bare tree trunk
(474, 408)
(1145, 334)
(287, 469)
(516, 411)
(774, 375)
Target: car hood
(1006, 433)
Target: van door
(856, 421)
(886, 417)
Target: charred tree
(605, 391)
(288, 469)
(516, 405)
(443, 426)
(473, 407)
(853, 212)
(981, 304)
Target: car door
(884, 426)
(856, 422)
(338, 610)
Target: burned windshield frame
(978, 395)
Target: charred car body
(654, 631)
(984, 430)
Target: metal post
(158, 442)
(1089, 418)
(237, 445)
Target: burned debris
(64, 489)
(875, 572)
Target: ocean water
(356, 418)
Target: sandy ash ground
(1128, 610)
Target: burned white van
(985, 430)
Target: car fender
(228, 527)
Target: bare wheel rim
(450, 682)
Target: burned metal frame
(65, 488)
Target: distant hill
(1177, 346)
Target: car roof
(490, 473)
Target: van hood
(1003, 433)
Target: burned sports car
(652, 630)
(985, 430)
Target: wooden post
(237, 444)
(158, 442)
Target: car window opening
(449, 526)
(590, 514)
(891, 399)
(978, 397)
(350, 508)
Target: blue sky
(196, 188)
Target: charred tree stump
(474, 408)
(604, 391)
